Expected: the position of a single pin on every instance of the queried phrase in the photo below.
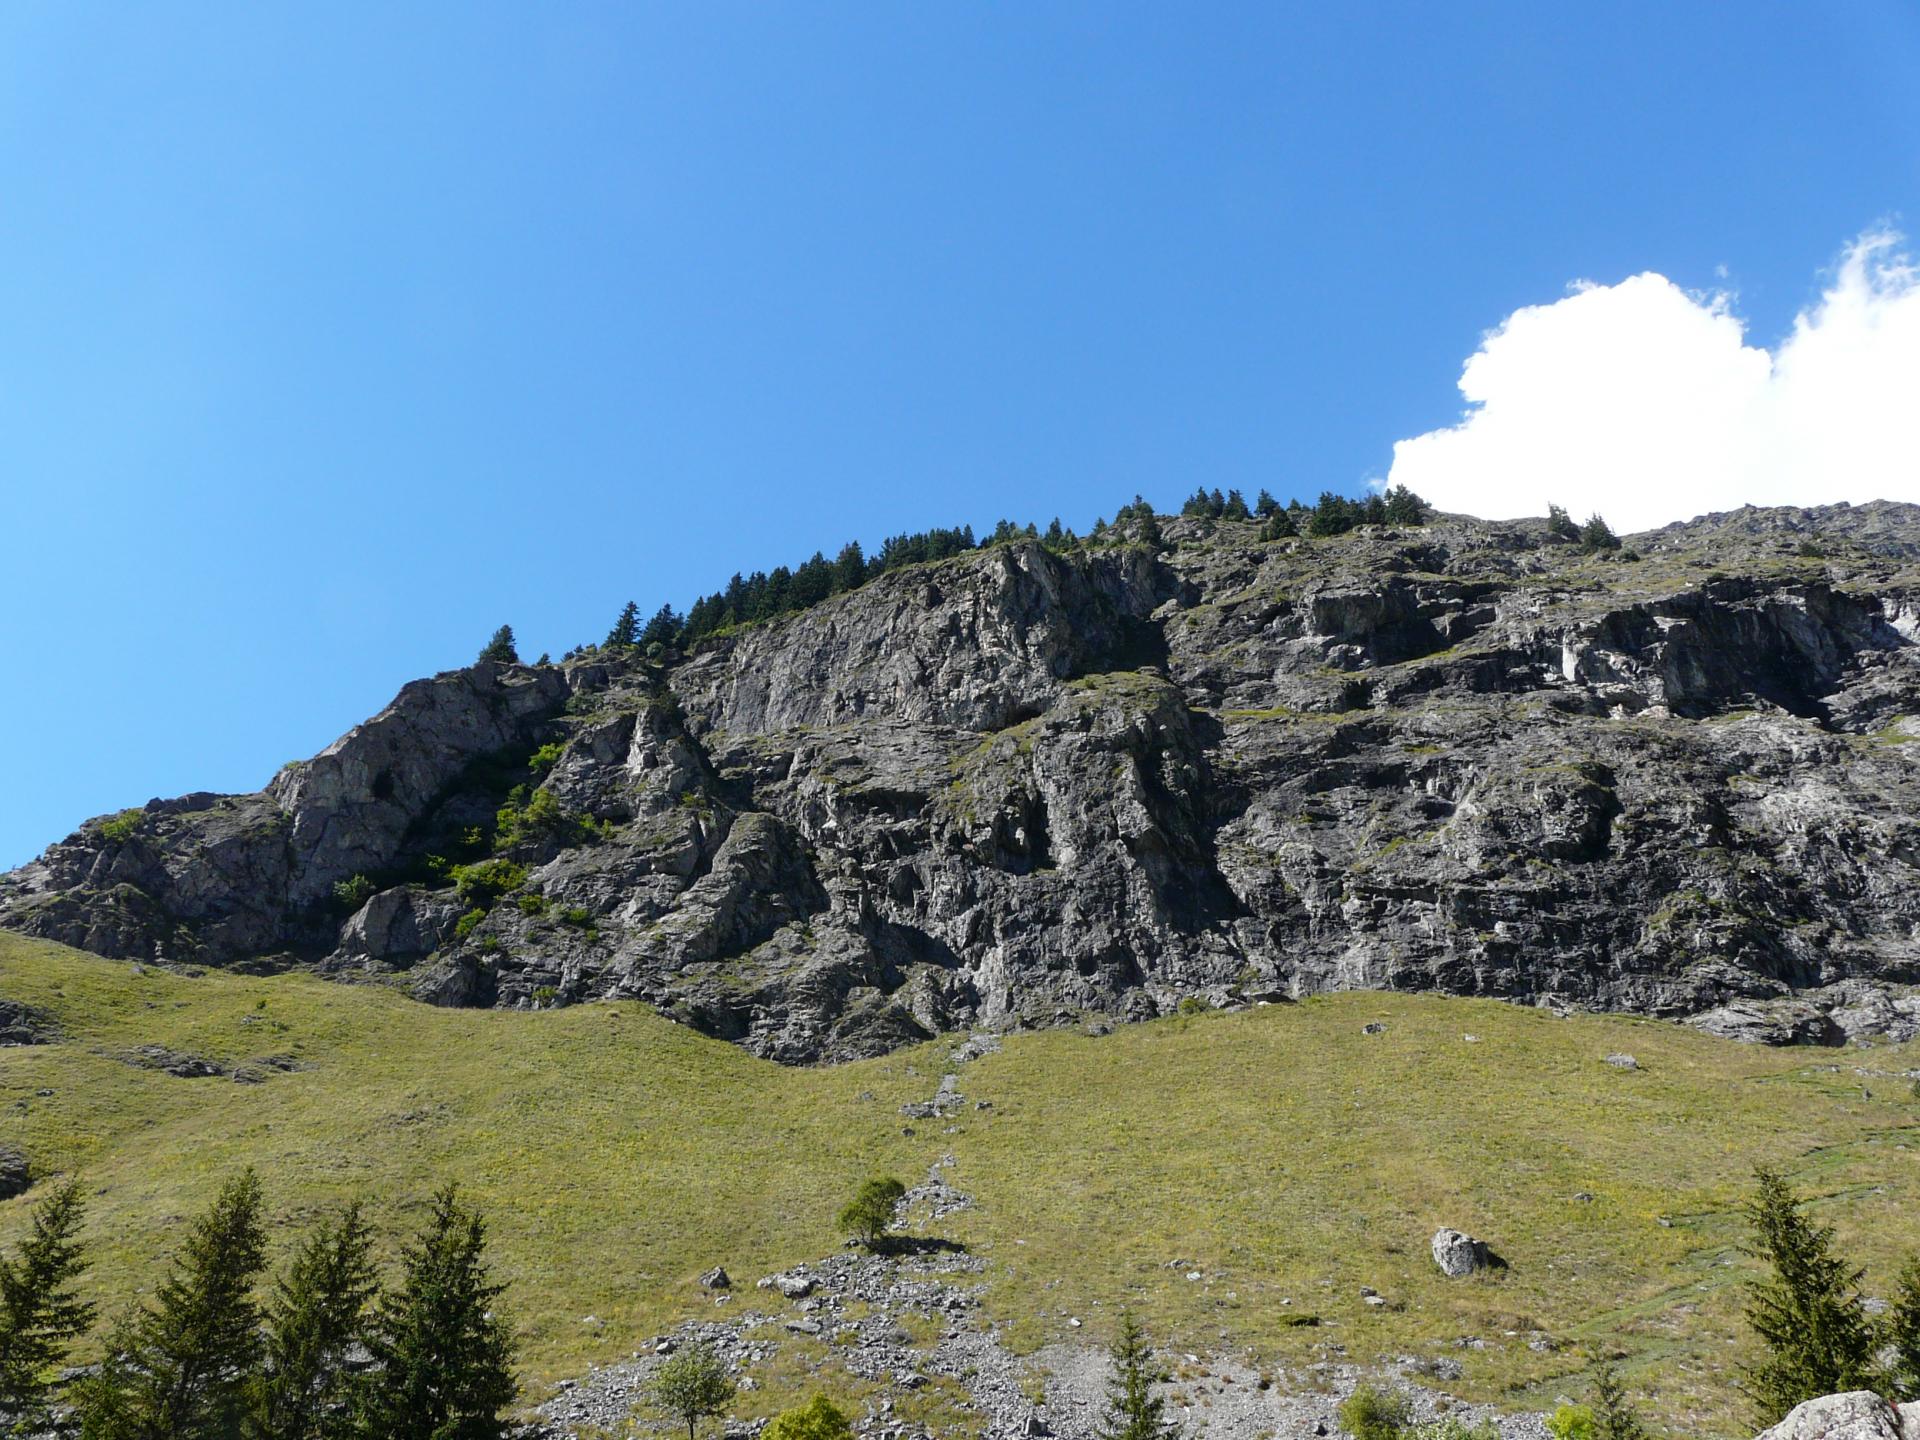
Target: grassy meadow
(1281, 1154)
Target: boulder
(26, 1025)
(399, 925)
(1772, 1022)
(15, 1173)
(1457, 1254)
(792, 1285)
(1854, 1415)
(716, 1279)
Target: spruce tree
(664, 628)
(1403, 507)
(1560, 525)
(40, 1313)
(1807, 1311)
(445, 1359)
(1614, 1417)
(1134, 1412)
(626, 630)
(849, 568)
(500, 648)
(1596, 534)
(1279, 525)
(1236, 507)
(1334, 515)
(179, 1370)
(317, 1314)
(1903, 1330)
(1265, 505)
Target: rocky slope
(1019, 787)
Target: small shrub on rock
(481, 884)
(818, 1419)
(353, 892)
(1370, 1414)
(118, 828)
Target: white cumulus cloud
(1648, 405)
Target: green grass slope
(1280, 1153)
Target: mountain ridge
(1026, 786)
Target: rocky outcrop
(1855, 1415)
(1018, 788)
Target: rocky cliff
(1019, 787)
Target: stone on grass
(1457, 1254)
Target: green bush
(545, 758)
(538, 817)
(1572, 1422)
(818, 1419)
(867, 1217)
(484, 882)
(121, 827)
(532, 904)
(545, 994)
(1370, 1414)
(353, 892)
(464, 926)
(1193, 1005)
(575, 916)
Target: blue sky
(332, 336)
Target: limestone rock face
(1025, 788)
(1855, 1415)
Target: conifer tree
(1134, 1412)
(849, 568)
(1403, 507)
(1560, 525)
(318, 1312)
(445, 1357)
(178, 1370)
(1150, 534)
(1334, 515)
(1235, 507)
(663, 629)
(1614, 1417)
(1265, 505)
(1596, 534)
(1807, 1311)
(500, 648)
(1903, 1330)
(1279, 525)
(626, 630)
(40, 1313)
